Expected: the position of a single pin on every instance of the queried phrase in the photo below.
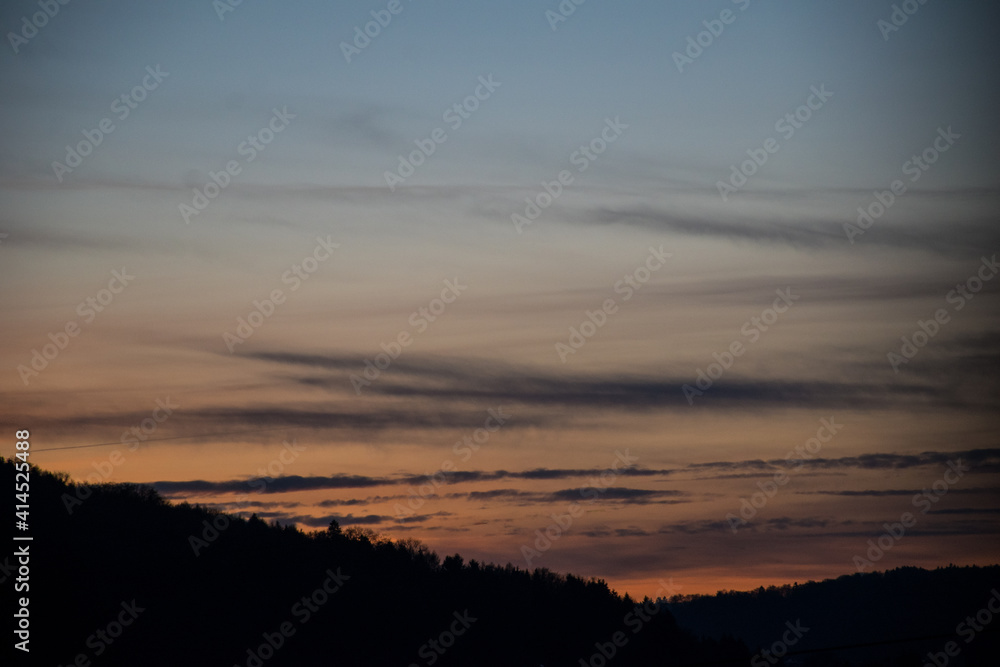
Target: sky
(647, 291)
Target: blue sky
(607, 59)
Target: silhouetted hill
(117, 581)
(122, 577)
(902, 604)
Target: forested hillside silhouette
(895, 617)
(119, 576)
(124, 549)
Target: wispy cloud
(822, 231)
(982, 459)
(460, 381)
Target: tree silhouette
(379, 601)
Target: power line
(177, 437)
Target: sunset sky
(614, 266)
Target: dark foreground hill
(126, 578)
(118, 576)
(906, 616)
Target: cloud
(766, 525)
(827, 527)
(697, 526)
(242, 505)
(334, 419)
(274, 485)
(893, 492)
(983, 459)
(604, 531)
(70, 240)
(784, 523)
(342, 481)
(497, 494)
(986, 459)
(369, 500)
(809, 235)
(638, 496)
(760, 222)
(461, 381)
(207, 423)
(349, 519)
